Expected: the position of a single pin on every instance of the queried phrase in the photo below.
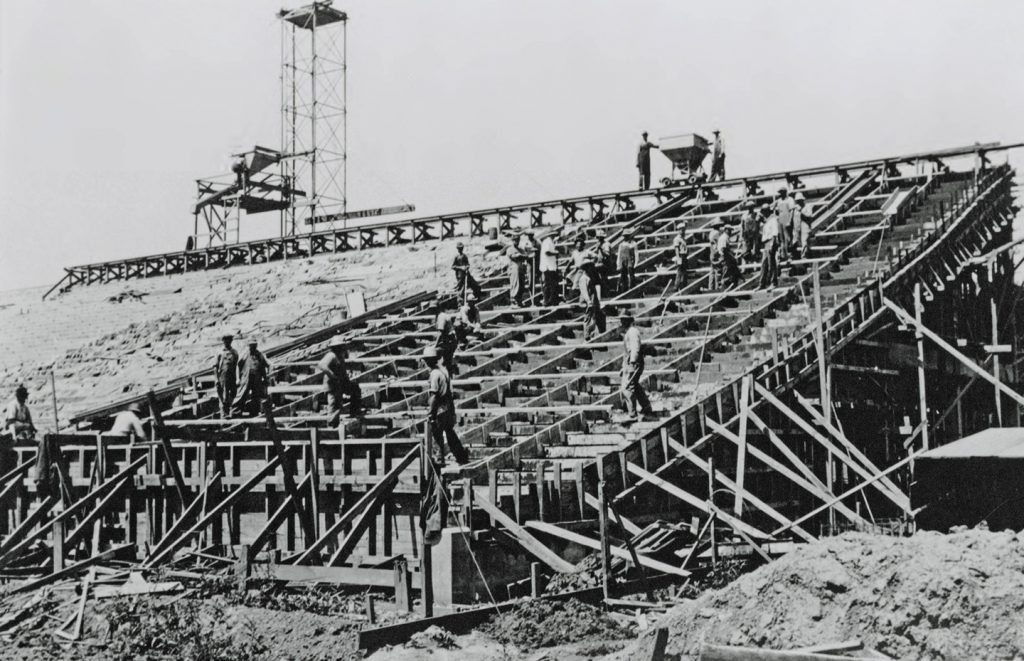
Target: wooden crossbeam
(165, 442)
(187, 515)
(617, 551)
(528, 541)
(355, 533)
(287, 470)
(72, 569)
(385, 485)
(277, 518)
(95, 513)
(17, 537)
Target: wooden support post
(995, 341)
(287, 471)
(371, 610)
(535, 589)
(243, 566)
(823, 393)
(403, 586)
(712, 511)
(606, 559)
(58, 543)
(426, 550)
(921, 379)
(741, 450)
(158, 429)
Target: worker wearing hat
(769, 248)
(548, 264)
(627, 258)
(604, 263)
(446, 341)
(517, 261)
(730, 270)
(468, 320)
(226, 373)
(680, 256)
(717, 157)
(463, 278)
(643, 161)
(803, 218)
(633, 369)
(590, 297)
(750, 228)
(128, 422)
(785, 209)
(18, 418)
(253, 381)
(441, 410)
(338, 386)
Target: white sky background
(110, 110)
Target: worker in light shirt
(549, 269)
(128, 423)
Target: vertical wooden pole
(921, 379)
(58, 540)
(535, 589)
(711, 509)
(314, 480)
(741, 451)
(426, 564)
(824, 399)
(995, 340)
(403, 586)
(606, 560)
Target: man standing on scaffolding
(441, 411)
(460, 265)
(643, 161)
(637, 404)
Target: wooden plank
(528, 541)
(359, 526)
(336, 575)
(625, 523)
(71, 570)
(595, 544)
(186, 515)
(385, 484)
(165, 442)
(277, 518)
(20, 536)
(95, 513)
(287, 470)
(741, 450)
(722, 653)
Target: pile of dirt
(928, 596)
(535, 623)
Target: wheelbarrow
(687, 153)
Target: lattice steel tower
(313, 114)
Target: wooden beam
(899, 499)
(355, 533)
(741, 450)
(528, 541)
(723, 653)
(277, 518)
(71, 570)
(165, 442)
(18, 538)
(694, 501)
(385, 484)
(595, 544)
(186, 515)
(94, 513)
(287, 470)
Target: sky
(109, 110)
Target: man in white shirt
(785, 210)
(628, 258)
(769, 249)
(633, 369)
(549, 269)
(730, 269)
(717, 157)
(17, 417)
(804, 218)
(679, 256)
(128, 422)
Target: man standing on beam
(253, 379)
(463, 278)
(441, 411)
(643, 161)
(337, 383)
(226, 370)
(633, 370)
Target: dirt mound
(536, 623)
(930, 596)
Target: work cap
(253, 342)
(471, 298)
(601, 234)
(429, 353)
(336, 341)
(799, 197)
(644, 134)
(21, 389)
(783, 191)
(227, 336)
(460, 244)
(135, 407)
(716, 131)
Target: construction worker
(727, 258)
(447, 341)
(253, 381)
(714, 258)
(750, 225)
(590, 298)
(441, 411)
(643, 161)
(633, 369)
(337, 384)
(604, 258)
(17, 418)
(628, 256)
(579, 254)
(549, 269)
(769, 248)
(460, 265)
(467, 321)
(129, 422)
(226, 372)
(717, 157)
(517, 261)
(679, 257)
(784, 212)
(804, 218)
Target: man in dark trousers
(633, 370)
(447, 341)
(441, 411)
(604, 258)
(337, 383)
(462, 275)
(517, 261)
(628, 256)
(643, 161)
(253, 379)
(590, 298)
(226, 370)
(679, 257)
(549, 269)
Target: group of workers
(643, 159)
(242, 382)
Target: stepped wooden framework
(755, 446)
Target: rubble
(534, 623)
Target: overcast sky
(110, 110)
